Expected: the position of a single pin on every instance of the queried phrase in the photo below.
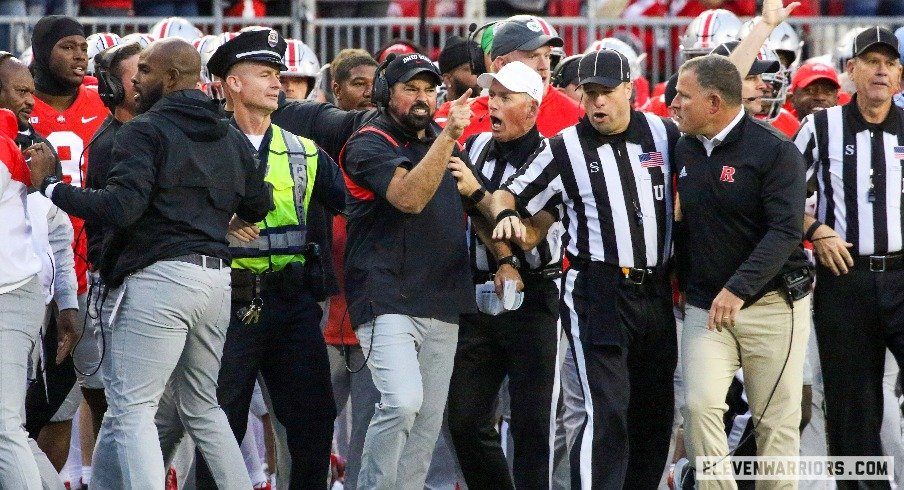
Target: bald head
(179, 59)
(17, 89)
(166, 66)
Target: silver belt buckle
(216, 262)
(874, 261)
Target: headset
(475, 52)
(555, 79)
(109, 86)
(380, 94)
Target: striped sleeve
(537, 182)
(805, 140)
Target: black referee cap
(264, 46)
(875, 36)
(606, 67)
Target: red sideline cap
(399, 49)
(810, 72)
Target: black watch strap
(47, 182)
(510, 260)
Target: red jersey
(787, 123)
(70, 132)
(693, 8)
(557, 112)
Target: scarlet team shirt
(70, 132)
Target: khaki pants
(758, 343)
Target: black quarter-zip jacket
(742, 210)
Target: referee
(521, 344)
(854, 157)
(613, 173)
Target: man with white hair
(521, 343)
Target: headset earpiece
(380, 94)
(475, 53)
(109, 87)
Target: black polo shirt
(396, 262)
(742, 210)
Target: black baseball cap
(264, 46)
(405, 67)
(875, 36)
(523, 33)
(606, 67)
(757, 68)
(455, 53)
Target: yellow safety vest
(292, 167)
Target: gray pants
(168, 326)
(359, 389)
(411, 363)
(21, 314)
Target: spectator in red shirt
(527, 39)
(104, 8)
(815, 87)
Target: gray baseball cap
(523, 33)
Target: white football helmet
(708, 30)
(175, 27)
(98, 42)
(778, 83)
(206, 47)
(784, 40)
(635, 61)
(143, 40)
(27, 56)
(300, 59)
(844, 50)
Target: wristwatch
(47, 182)
(510, 260)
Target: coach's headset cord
(768, 400)
(102, 294)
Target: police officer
(179, 174)
(275, 319)
(854, 154)
(521, 344)
(612, 171)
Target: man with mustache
(67, 114)
(406, 273)
(179, 173)
(814, 87)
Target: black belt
(879, 263)
(204, 261)
(531, 276)
(632, 275)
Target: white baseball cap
(517, 77)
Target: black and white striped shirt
(497, 163)
(616, 190)
(857, 167)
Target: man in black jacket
(741, 192)
(180, 172)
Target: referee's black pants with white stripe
(856, 316)
(522, 344)
(624, 345)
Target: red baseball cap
(810, 72)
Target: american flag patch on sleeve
(654, 159)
